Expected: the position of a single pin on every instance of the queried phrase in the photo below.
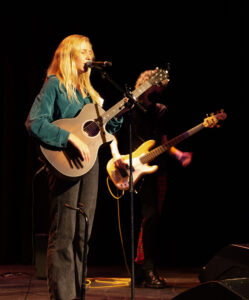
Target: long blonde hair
(63, 66)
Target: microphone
(98, 64)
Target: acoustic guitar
(142, 155)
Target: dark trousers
(152, 196)
(66, 236)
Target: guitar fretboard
(118, 107)
(165, 147)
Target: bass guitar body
(120, 177)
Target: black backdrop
(206, 203)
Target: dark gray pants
(66, 237)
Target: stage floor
(19, 282)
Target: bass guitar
(142, 155)
(89, 126)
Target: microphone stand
(131, 191)
(132, 101)
(84, 262)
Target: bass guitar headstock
(213, 119)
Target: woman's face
(84, 54)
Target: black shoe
(154, 281)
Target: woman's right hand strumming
(80, 146)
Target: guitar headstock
(159, 77)
(213, 119)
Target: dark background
(206, 205)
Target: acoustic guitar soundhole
(91, 128)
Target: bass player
(146, 126)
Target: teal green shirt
(51, 104)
